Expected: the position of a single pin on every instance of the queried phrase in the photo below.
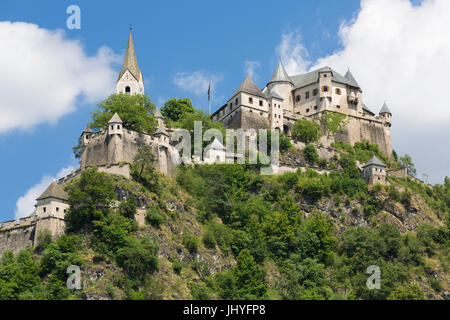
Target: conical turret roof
(384, 109)
(374, 161)
(54, 191)
(160, 130)
(248, 86)
(280, 74)
(115, 119)
(215, 145)
(351, 79)
(130, 61)
(158, 114)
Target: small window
(297, 98)
(260, 113)
(307, 95)
(325, 75)
(307, 110)
(338, 91)
(260, 103)
(45, 209)
(236, 101)
(279, 106)
(251, 111)
(57, 209)
(231, 105)
(65, 210)
(338, 106)
(315, 92)
(315, 107)
(250, 100)
(127, 89)
(325, 88)
(118, 126)
(112, 127)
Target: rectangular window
(297, 98)
(338, 106)
(250, 100)
(315, 92)
(260, 103)
(315, 107)
(338, 91)
(325, 88)
(307, 110)
(236, 101)
(307, 95)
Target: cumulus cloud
(25, 204)
(43, 73)
(398, 51)
(250, 68)
(196, 82)
(292, 52)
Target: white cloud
(196, 82)
(399, 52)
(43, 73)
(250, 69)
(25, 204)
(292, 52)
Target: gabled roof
(115, 119)
(351, 79)
(160, 131)
(87, 130)
(385, 109)
(130, 61)
(374, 161)
(158, 114)
(365, 108)
(54, 191)
(301, 80)
(215, 145)
(274, 94)
(280, 74)
(248, 86)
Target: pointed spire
(280, 74)
(87, 130)
(130, 61)
(161, 131)
(115, 119)
(54, 190)
(351, 79)
(384, 109)
(248, 86)
(158, 114)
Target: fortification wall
(16, 237)
(253, 120)
(400, 173)
(361, 129)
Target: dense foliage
(306, 131)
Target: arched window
(127, 89)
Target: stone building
(286, 99)
(113, 148)
(374, 171)
(214, 152)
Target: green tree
(310, 153)
(407, 162)
(90, 197)
(176, 109)
(249, 277)
(134, 110)
(333, 122)
(306, 131)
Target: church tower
(130, 78)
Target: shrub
(306, 131)
(322, 163)
(155, 217)
(310, 154)
(177, 266)
(190, 242)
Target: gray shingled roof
(158, 114)
(215, 145)
(87, 130)
(161, 130)
(367, 109)
(301, 80)
(115, 119)
(248, 86)
(275, 94)
(130, 61)
(280, 74)
(385, 109)
(374, 161)
(54, 191)
(351, 79)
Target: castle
(283, 101)
(286, 99)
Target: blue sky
(173, 39)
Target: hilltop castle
(286, 99)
